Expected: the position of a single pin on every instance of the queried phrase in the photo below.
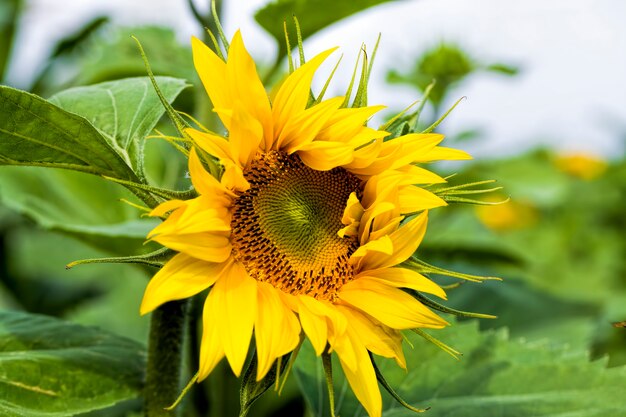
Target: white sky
(569, 95)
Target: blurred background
(543, 115)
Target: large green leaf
(51, 368)
(313, 16)
(123, 111)
(103, 295)
(113, 54)
(35, 132)
(76, 203)
(495, 377)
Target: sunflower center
(284, 228)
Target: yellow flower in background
(581, 165)
(305, 230)
(508, 215)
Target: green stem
(165, 347)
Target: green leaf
(9, 18)
(314, 15)
(545, 315)
(503, 69)
(113, 55)
(63, 51)
(123, 111)
(36, 260)
(495, 377)
(35, 132)
(51, 368)
(77, 204)
(445, 63)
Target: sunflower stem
(165, 347)
(328, 371)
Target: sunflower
(304, 232)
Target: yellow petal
(391, 306)
(181, 277)
(407, 238)
(247, 88)
(365, 156)
(350, 230)
(191, 220)
(352, 214)
(362, 379)
(401, 151)
(204, 182)
(443, 154)
(214, 145)
(163, 208)
(324, 156)
(384, 245)
(377, 338)
(415, 199)
(211, 346)
(191, 211)
(201, 225)
(346, 350)
(205, 246)
(389, 227)
(419, 175)
(346, 123)
(202, 214)
(293, 95)
(304, 127)
(404, 278)
(277, 330)
(313, 323)
(383, 209)
(381, 187)
(235, 298)
(233, 177)
(212, 72)
(245, 136)
(405, 241)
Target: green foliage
(9, 16)
(564, 274)
(314, 16)
(119, 114)
(63, 52)
(114, 55)
(77, 204)
(124, 111)
(495, 377)
(447, 64)
(569, 277)
(49, 367)
(573, 250)
(35, 132)
(104, 295)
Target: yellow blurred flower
(304, 232)
(508, 215)
(581, 165)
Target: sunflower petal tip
(145, 308)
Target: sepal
(251, 389)
(457, 193)
(157, 191)
(439, 307)
(391, 391)
(158, 258)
